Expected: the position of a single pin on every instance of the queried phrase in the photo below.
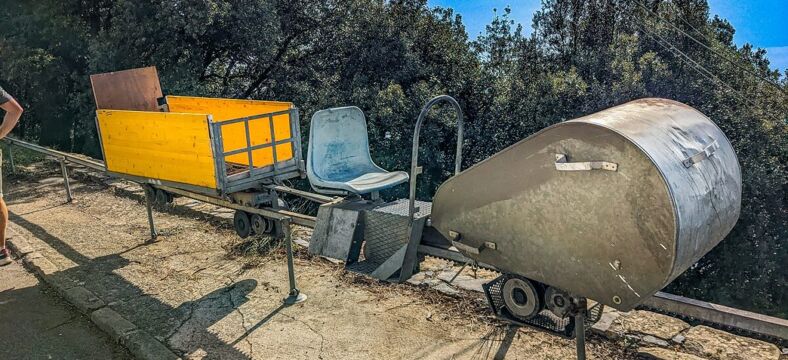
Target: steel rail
(58, 155)
(320, 199)
(669, 303)
(719, 314)
(279, 215)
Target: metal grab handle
(702, 155)
(561, 164)
(415, 169)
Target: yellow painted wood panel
(158, 145)
(234, 135)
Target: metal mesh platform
(545, 320)
(385, 233)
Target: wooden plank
(134, 89)
(234, 135)
(158, 145)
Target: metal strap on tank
(702, 155)
(561, 164)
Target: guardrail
(669, 303)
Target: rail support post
(295, 295)
(11, 158)
(148, 206)
(65, 179)
(580, 329)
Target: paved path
(35, 324)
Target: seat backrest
(338, 146)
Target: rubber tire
(242, 224)
(261, 225)
(533, 302)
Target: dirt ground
(200, 292)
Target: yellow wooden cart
(211, 146)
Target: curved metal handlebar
(415, 169)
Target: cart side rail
(264, 156)
(234, 132)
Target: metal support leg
(295, 295)
(11, 158)
(277, 230)
(580, 330)
(148, 202)
(65, 180)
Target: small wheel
(161, 197)
(170, 197)
(241, 223)
(521, 297)
(558, 301)
(261, 225)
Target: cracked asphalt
(35, 324)
(192, 291)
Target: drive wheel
(521, 297)
(261, 225)
(242, 224)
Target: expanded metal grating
(545, 320)
(386, 228)
(385, 232)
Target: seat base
(364, 184)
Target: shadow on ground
(96, 274)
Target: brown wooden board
(133, 89)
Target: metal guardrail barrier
(691, 308)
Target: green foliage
(390, 57)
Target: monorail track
(694, 310)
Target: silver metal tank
(611, 206)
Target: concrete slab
(717, 344)
(646, 323)
(664, 354)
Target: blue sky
(761, 23)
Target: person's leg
(5, 256)
(3, 222)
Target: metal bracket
(561, 164)
(455, 241)
(702, 155)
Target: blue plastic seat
(338, 160)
